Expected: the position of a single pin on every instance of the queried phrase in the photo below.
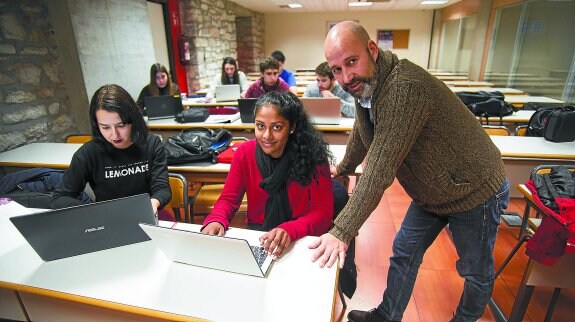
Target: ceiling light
(294, 5)
(359, 4)
(431, 2)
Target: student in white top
(230, 75)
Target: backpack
(485, 104)
(560, 125)
(539, 120)
(196, 145)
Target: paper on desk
(223, 118)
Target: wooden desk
(502, 90)
(520, 100)
(521, 154)
(137, 282)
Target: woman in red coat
(285, 174)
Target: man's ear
(373, 50)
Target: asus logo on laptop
(93, 229)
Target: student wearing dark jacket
(160, 85)
(122, 160)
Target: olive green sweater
(426, 137)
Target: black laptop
(162, 107)
(247, 107)
(88, 228)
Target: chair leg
(523, 239)
(551, 307)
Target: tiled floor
(438, 285)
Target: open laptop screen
(88, 228)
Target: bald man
(409, 125)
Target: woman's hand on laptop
(214, 228)
(275, 242)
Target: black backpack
(540, 119)
(485, 104)
(197, 144)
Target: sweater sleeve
(347, 102)
(252, 90)
(317, 219)
(399, 117)
(159, 183)
(244, 84)
(312, 90)
(143, 93)
(232, 194)
(216, 81)
(73, 182)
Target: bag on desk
(560, 125)
(197, 144)
(469, 98)
(193, 114)
(538, 123)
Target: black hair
(279, 56)
(311, 149)
(113, 98)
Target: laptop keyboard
(259, 254)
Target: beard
(369, 82)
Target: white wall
(114, 43)
(301, 35)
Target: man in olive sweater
(409, 125)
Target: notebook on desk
(88, 228)
(162, 107)
(322, 110)
(227, 93)
(216, 252)
(246, 107)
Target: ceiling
(273, 6)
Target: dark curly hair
(113, 98)
(311, 149)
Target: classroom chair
(528, 227)
(521, 130)
(203, 202)
(497, 130)
(179, 187)
(78, 138)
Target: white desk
(520, 116)
(139, 282)
(467, 83)
(59, 156)
(333, 134)
(520, 100)
(502, 90)
(521, 154)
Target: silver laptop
(322, 110)
(88, 228)
(162, 107)
(227, 93)
(215, 252)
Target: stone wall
(34, 103)
(212, 27)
